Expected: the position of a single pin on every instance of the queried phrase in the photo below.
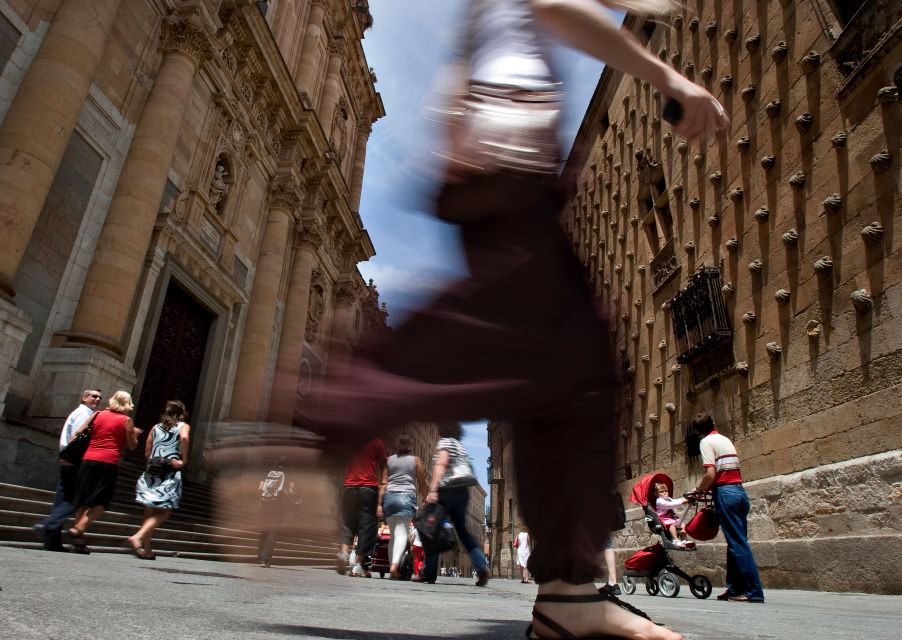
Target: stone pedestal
(15, 326)
(67, 371)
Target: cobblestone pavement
(104, 596)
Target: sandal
(141, 553)
(601, 596)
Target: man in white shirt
(51, 527)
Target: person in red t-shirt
(358, 507)
(111, 432)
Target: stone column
(331, 89)
(103, 311)
(251, 378)
(294, 326)
(313, 34)
(340, 346)
(37, 128)
(363, 136)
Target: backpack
(272, 485)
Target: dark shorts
(96, 484)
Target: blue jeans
(455, 503)
(732, 507)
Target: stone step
(277, 560)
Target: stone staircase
(194, 531)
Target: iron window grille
(700, 321)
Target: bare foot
(583, 619)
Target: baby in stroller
(665, 508)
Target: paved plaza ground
(104, 596)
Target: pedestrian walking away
(519, 339)
(159, 488)
(358, 508)
(731, 504)
(51, 527)
(403, 478)
(112, 431)
(451, 489)
(276, 491)
(523, 544)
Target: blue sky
(415, 252)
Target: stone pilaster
(251, 378)
(363, 137)
(313, 35)
(109, 292)
(331, 89)
(36, 130)
(294, 326)
(342, 323)
(15, 326)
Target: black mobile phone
(673, 111)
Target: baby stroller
(653, 563)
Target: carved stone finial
(823, 266)
(882, 161)
(732, 244)
(693, 24)
(670, 408)
(862, 301)
(782, 295)
(749, 319)
(650, 322)
(773, 108)
(791, 238)
(803, 122)
(646, 357)
(810, 62)
(762, 213)
(643, 393)
(699, 159)
(653, 418)
(873, 233)
(737, 194)
(768, 162)
(728, 289)
(813, 328)
(778, 53)
(839, 139)
(774, 350)
(833, 203)
(689, 247)
(713, 220)
(662, 345)
(682, 147)
(676, 369)
(716, 177)
(756, 266)
(695, 203)
(658, 383)
(797, 180)
(730, 36)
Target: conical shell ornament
(730, 36)
(713, 220)
(711, 29)
(695, 203)
(732, 244)
(881, 162)
(823, 266)
(791, 238)
(737, 194)
(888, 95)
(768, 162)
(778, 53)
(743, 143)
(670, 408)
(726, 82)
(782, 296)
(748, 92)
(833, 203)
(774, 349)
(810, 62)
(728, 289)
(797, 180)
(862, 301)
(716, 177)
(773, 108)
(803, 122)
(839, 139)
(658, 383)
(755, 266)
(742, 367)
(676, 369)
(752, 43)
(873, 233)
(749, 318)
(762, 213)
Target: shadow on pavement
(490, 629)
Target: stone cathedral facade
(758, 278)
(179, 193)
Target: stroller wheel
(700, 586)
(668, 584)
(628, 584)
(651, 587)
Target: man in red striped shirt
(731, 504)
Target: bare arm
(131, 434)
(582, 25)
(148, 444)
(382, 485)
(708, 480)
(184, 441)
(438, 472)
(421, 477)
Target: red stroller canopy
(644, 490)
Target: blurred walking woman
(111, 432)
(520, 338)
(159, 488)
(402, 476)
(454, 500)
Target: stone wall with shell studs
(755, 276)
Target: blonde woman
(111, 432)
(159, 488)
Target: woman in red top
(111, 432)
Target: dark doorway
(176, 357)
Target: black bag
(73, 452)
(619, 521)
(436, 533)
(158, 465)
